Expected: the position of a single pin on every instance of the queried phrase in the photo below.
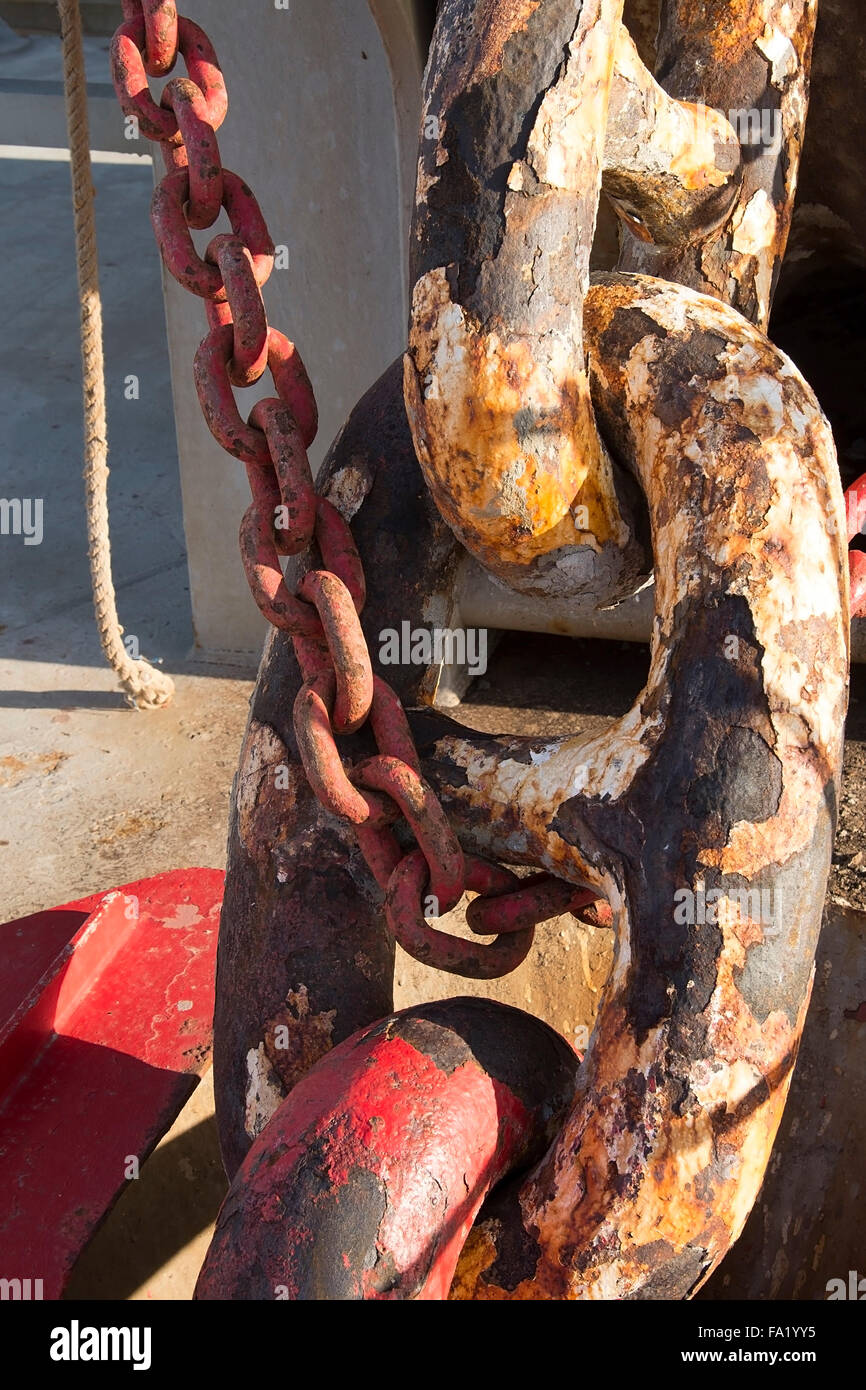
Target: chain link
(340, 693)
(855, 513)
(160, 29)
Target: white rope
(146, 688)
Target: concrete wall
(326, 139)
(41, 16)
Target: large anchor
(573, 433)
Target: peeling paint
(264, 1092)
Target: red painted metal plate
(106, 1013)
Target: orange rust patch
(14, 769)
(295, 1038)
(511, 455)
(498, 20)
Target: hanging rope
(146, 688)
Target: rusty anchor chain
(340, 692)
(659, 1160)
(558, 420)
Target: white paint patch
(642, 356)
(262, 751)
(264, 1092)
(762, 400)
(728, 1084)
(540, 755)
(778, 49)
(755, 225)
(565, 142)
(186, 915)
(348, 487)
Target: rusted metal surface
(857, 569)
(130, 79)
(751, 61)
(176, 244)
(738, 736)
(273, 446)
(201, 151)
(322, 615)
(214, 387)
(320, 926)
(672, 168)
(407, 887)
(805, 1233)
(288, 476)
(260, 556)
(496, 387)
(303, 913)
(321, 756)
(160, 27)
(243, 309)
(423, 814)
(347, 1196)
(538, 898)
(566, 432)
(855, 514)
(353, 683)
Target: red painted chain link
(160, 29)
(410, 881)
(129, 75)
(176, 244)
(855, 512)
(340, 692)
(243, 309)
